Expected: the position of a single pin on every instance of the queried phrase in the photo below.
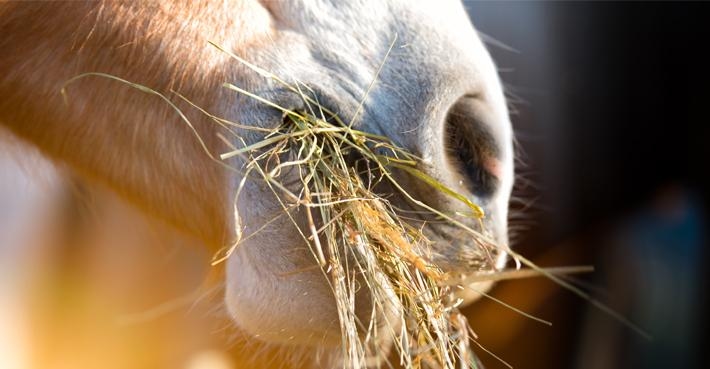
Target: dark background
(610, 103)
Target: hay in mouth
(357, 236)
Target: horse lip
(456, 251)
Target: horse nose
(476, 160)
(473, 146)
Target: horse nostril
(471, 146)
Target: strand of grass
(489, 352)
(589, 287)
(217, 259)
(182, 116)
(372, 82)
(149, 91)
(429, 344)
(291, 163)
(225, 123)
(357, 348)
(308, 105)
(512, 274)
(352, 349)
(266, 74)
(230, 144)
(338, 216)
(274, 183)
(577, 291)
(324, 210)
(314, 232)
(334, 202)
(464, 345)
(271, 183)
(440, 325)
(353, 345)
(225, 254)
(477, 210)
(258, 145)
(511, 307)
(259, 98)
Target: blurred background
(610, 105)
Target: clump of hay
(360, 236)
(357, 236)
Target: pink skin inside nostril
(493, 166)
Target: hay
(356, 235)
(360, 237)
(361, 227)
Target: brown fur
(116, 134)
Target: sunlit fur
(136, 144)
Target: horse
(413, 71)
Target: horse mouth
(462, 245)
(458, 252)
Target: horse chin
(272, 315)
(463, 258)
(289, 302)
